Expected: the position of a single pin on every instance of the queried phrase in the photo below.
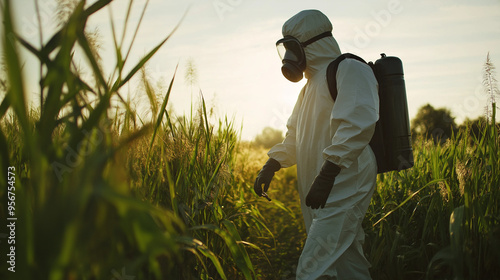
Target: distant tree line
(268, 137)
(429, 123)
(439, 124)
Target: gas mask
(293, 57)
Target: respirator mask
(293, 57)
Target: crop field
(95, 192)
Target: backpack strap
(377, 141)
(331, 72)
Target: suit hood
(304, 26)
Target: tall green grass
(410, 232)
(99, 195)
(187, 167)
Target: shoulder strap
(331, 72)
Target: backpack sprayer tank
(391, 141)
(395, 122)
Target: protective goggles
(295, 46)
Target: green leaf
(5, 157)
(233, 246)
(159, 118)
(16, 94)
(119, 83)
(242, 258)
(200, 247)
(4, 106)
(407, 199)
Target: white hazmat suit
(320, 129)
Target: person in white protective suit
(328, 141)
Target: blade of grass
(55, 40)
(58, 76)
(127, 16)
(199, 246)
(232, 245)
(136, 29)
(16, 92)
(89, 54)
(4, 106)
(150, 93)
(407, 199)
(40, 32)
(119, 83)
(159, 118)
(242, 259)
(119, 60)
(253, 246)
(4, 153)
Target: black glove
(322, 185)
(266, 175)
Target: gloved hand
(265, 176)
(322, 185)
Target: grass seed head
(462, 174)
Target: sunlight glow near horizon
(443, 45)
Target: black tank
(391, 141)
(394, 119)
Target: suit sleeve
(285, 152)
(354, 113)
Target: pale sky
(443, 45)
